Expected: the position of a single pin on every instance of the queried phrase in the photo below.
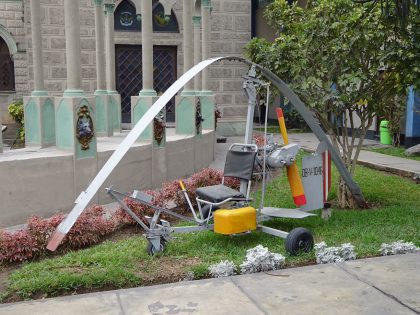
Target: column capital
(196, 20)
(98, 2)
(206, 4)
(109, 7)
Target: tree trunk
(346, 198)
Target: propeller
(293, 176)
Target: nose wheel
(152, 250)
(299, 240)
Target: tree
(345, 61)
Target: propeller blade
(293, 176)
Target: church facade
(230, 31)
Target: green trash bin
(385, 135)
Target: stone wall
(62, 181)
(53, 43)
(231, 29)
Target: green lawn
(394, 152)
(125, 263)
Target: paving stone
(92, 304)
(395, 275)
(316, 290)
(218, 296)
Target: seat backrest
(240, 164)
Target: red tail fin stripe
(299, 200)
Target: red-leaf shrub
(92, 224)
(30, 242)
(258, 139)
(89, 228)
(41, 229)
(171, 193)
(17, 246)
(122, 217)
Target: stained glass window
(125, 17)
(164, 23)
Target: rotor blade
(293, 176)
(86, 196)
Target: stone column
(38, 108)
(147, 96)
(186, 103)
(147, 48)
(74, 112)
(37, 49)
(207, 97)
(197, 50)
(73, 48)
(114, 98)
(206, 29)
(188, 39)
(104, 125)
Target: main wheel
(299, 240)
(151, 250)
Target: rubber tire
(299, 240)
(151, 251)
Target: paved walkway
(396, 165)
(384, 285)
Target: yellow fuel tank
(234, 221)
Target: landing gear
(299, 240)
(152, 250)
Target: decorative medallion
(84, 127)
(126, 19)
(159, 126)
(198, 118)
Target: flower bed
(93, 225)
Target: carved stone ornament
(84, 127)
(159, 126)
(198, 117)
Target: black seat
(218, 193)
(239, 164)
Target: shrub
(31, 242)
(17, 246)
(89, 228)
(171, 193)
(92, 225)
(16, 111)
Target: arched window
(7, 71)
(163, 23)
(127, 19)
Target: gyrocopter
(220, 208)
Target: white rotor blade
(86, 196)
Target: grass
(125, 263)
(399, 152)
(275, 129)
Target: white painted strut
(86, 196)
